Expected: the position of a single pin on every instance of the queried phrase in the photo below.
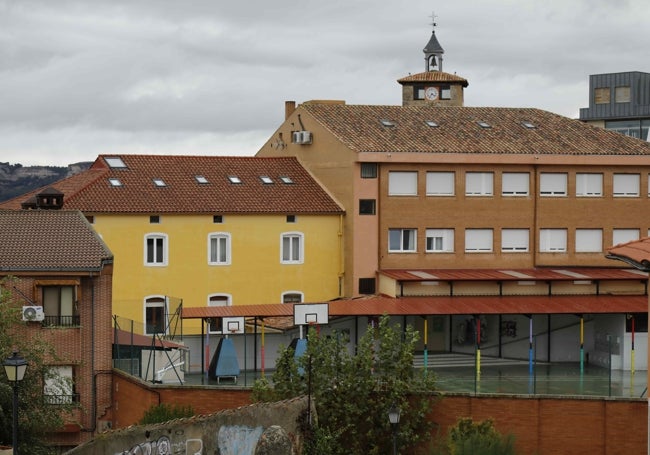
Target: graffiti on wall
(164, 446)
(238, 439)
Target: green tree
(36, 417)
(354, 392)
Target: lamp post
(393, 418)
(15, 367)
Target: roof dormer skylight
(529, 125)
(159, 182)
(387, 123)
(286, 179)
(431, 123)
(234, 179)
(114, 162)
(201, 179)
(115, 182)
(266, 179)
(484, 124)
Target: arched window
(156, 315)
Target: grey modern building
(620, 102)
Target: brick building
(63, 279)
(483, 208)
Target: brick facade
(86, 348)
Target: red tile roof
(635, 253)
(91, 191)
(49, 240)
(359, 127)
(434, 76)
(378, 305)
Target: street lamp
(393, 418)
(15, 367)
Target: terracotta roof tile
(49, 240)
(91, 191)
(434, 76)
(359, 127)
(636, 253)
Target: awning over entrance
(422, 306)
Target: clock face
(431, 93)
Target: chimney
(289, 107)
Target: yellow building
(205, 231)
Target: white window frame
(589, 184)
(626, 185)
(149, 303)
(441, 183)
(553, 184)
(589, 241)
(479, 240)
(402, 183)
(515, 184)
(218, 303)
(515, 240)
(292, 237)
(553, 240)
(286, 293)
(442, 240)
(156, 236)
(479, 183)
(220, 237)
(624, 235)
(412, 234)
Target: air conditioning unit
(301, 137)
(33, 313)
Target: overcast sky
(89, 77)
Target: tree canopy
(353, 391)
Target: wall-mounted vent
(33, 313)
(301, 137)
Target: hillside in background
(16, 179)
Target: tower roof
(433, 46)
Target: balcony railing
(61, 399)
(61, 321)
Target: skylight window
(529, 125)
(201, 179)
(431, 123)
(159, 182)
(115, 182)
(234, 179)
(266, 179)
(114, 162)
(387, 123)
(286, 180)
(484, 124)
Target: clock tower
(433, 86)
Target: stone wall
(257, 429)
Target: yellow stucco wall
(254, 276)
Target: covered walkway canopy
(447, 305)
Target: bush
(165, 412)
(469, 438)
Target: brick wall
(128, 390)
(555, 425)
(540, 425)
